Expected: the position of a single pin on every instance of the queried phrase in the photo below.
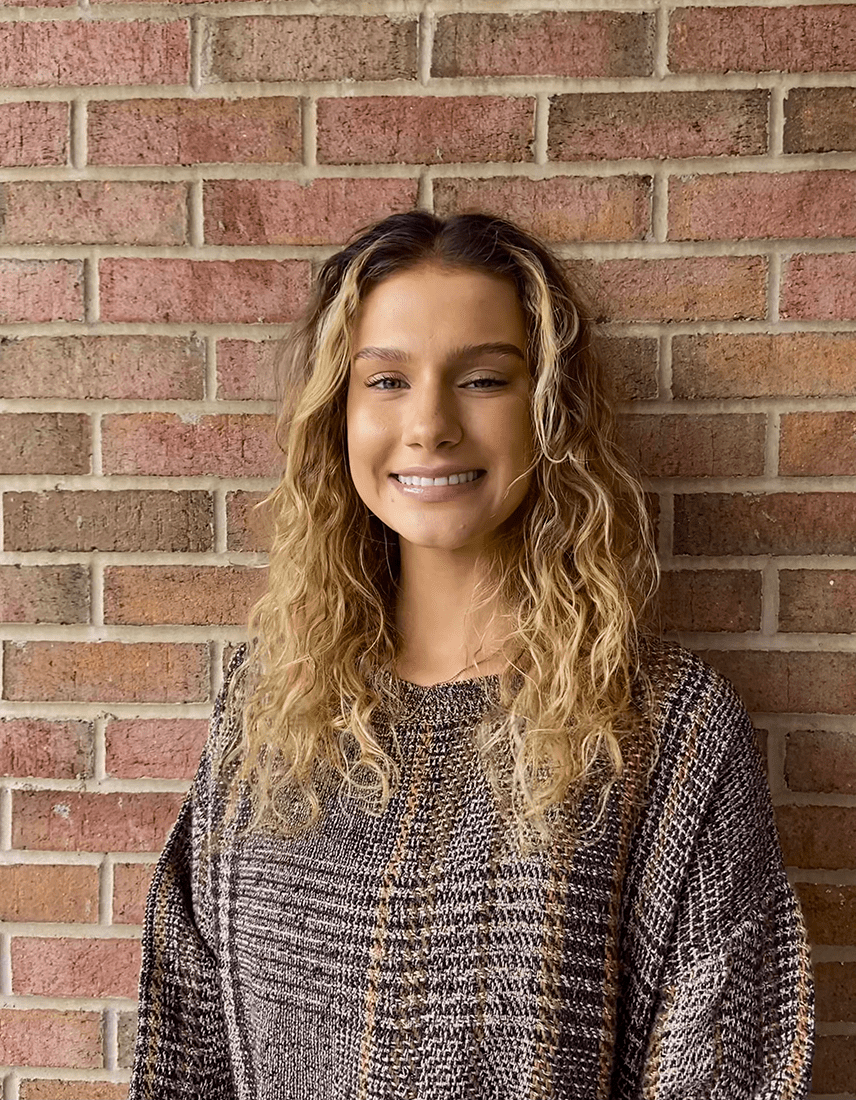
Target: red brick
(711, 599)
(228, 444)
(820, 120)
(45, 892)
(41, 290)
(834, 1069)
(686, 289)
(44, 594)
(325, 211)
(130, 889)
(37, 3)
(90, 212)
(795, 39)
(821, 600)
(245, 369)
(818, 836)
(791, 364)
(33, 134)
(195, 131)
(818, 443)
(150, 367)
(44, 1089)
(791, 682)
(758, 204)
(182, 594)
(53, 750)
(248, 527)
(64, 821)
(425, 129)
(118, 521)
(630, 366)
(163, 748)
(604, 125)
(57, 967)
(820, 287)
(241, 291)
(45, 1037)
(151, 672)
(821, 760)
(44, 443)
(773, 523)
(829, 911)
(309, 47)
(698, 445)
(564, 208)
(94, 52)
(590, 43)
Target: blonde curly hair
(575, 573)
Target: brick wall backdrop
(171, 174)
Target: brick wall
(168, 177)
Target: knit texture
(416, 955)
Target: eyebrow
(466, 351)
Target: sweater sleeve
(735, 1010)
(182, 1047)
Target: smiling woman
(463, 827)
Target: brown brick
(94, 52)
(228, 444)
(41, 290)
(126, 1032)
(45, 1037)
(325, 211)
(773, 523)
(43, 1089)
(151, 672)
(64, 821)
(829, 911)
(241, 291)
(150, 367)
(246, 369)
(44, 594)
(58, 967)
(90, 212)
(686, 289)
(822, 600)
(130, 888)
(835, 990)
(425, 130)
(590, 43)
(820, 120)
(791, 364)
(182, 594)
(698, 445)
(794, 39)
(45, 892)
(818, 443)
(791, 682)
(163, 748)
(821, 760)
(711, 599)
(630, 366)
(44, 443)
(820, 288)
(309, 47)
(565, 208)
(760, 204)
(33, 134)
(614, 125)
(38, 747)
(834, 1069)
(110, 521)
(195, 131)
(817, 836)
(249, 528)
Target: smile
(427, 482)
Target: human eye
(485, 382)
(384, 382)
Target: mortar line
(221, 522)
(776, 748)
(105, 892)
(666, 525)
(425, 46)
(541, 142)
(99, 736)
(771, 445)
(91, 288)
(425, 192)
(5, 819)
(77, 133)
(309, 124)
(195, 214)
(775, 137)
(111, 1039)
(660, 206)
(96, 442)
(664, 368)
(661, 40)
(770, 598)
(6, 964)
(196, 32)
(774, 285)
(96, 589)
(210, 378)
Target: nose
(432, 419)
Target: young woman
(460, 830)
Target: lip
(437, 494)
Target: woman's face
(438, 423)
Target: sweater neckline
(448, 703)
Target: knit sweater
(417, 955)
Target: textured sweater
(416, 955)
